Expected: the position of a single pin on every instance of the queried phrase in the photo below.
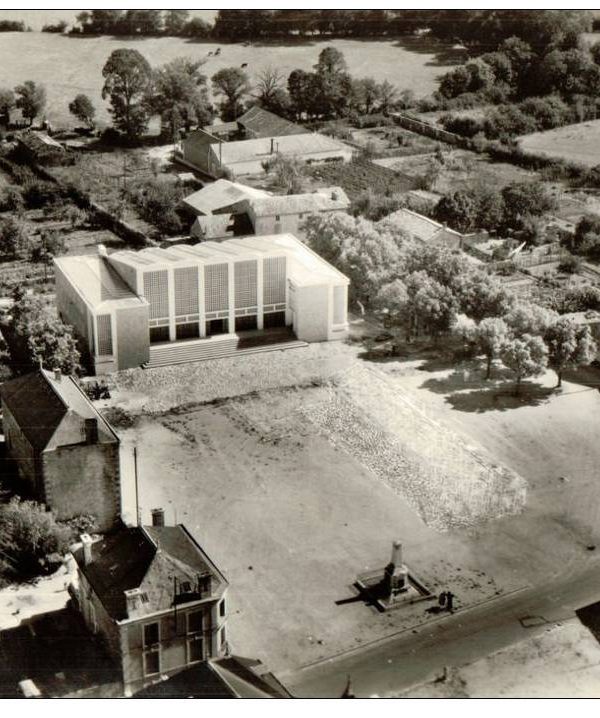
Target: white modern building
(125, 304)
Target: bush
(156, 200)
(581, 299)
(570, 265)
(39, 193)
(14, 242)
(28, 536)
(11, 199)
(465, 126)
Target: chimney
(86, 542)
(396, 553)
(272, 145)
(57, 375)
(91, 431)
(133, 600)
(158, 517)
(102, 251)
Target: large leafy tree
(525, 356)
(491, 335)
(31, 99)
(179, 94)
(270, 91)
(175, 21)
(233, 85)
(528, 318)
(7, 102)
(39, 336)
(127, 80)
(83, 109)
(569, 345)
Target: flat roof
(96, 281)
(305, 266)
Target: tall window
(105, 344)
(156, 291)
(274, 280)
(195, 639)
(245, 283)
(216, 287)
(186, 291)
(151, 649)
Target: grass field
(70, 65)
(578, 143)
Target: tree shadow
(445, 54)
(495, 399)
(470, 375)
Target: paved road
(399, 662)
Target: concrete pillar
(171, 293)
(231, 275)
(259, 293)
(201, 303)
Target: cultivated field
(70, 65)
(578, 143)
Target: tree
(175, 21)
(197, 28)
(232, 84)
(270, 91)
(127, 79)
(14, 242)
(459, 210)
(569, 345)
(387, 97)
(529, 319)
(81, 107)
(304, 91)
(491, 335)
(289, 173)
(367, 93)
(481, 296)
(144, 22)
(51, 244)
(29, 534)
(526, 356)
(7, 102)
(40, 336)
(180, 96)
(431, 306)
(331, 62)
(31, 99)
(523, 199)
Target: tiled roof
(334, 199)
(39, 140)
(39, 402)
(147, 559)
(259, 149)
(417, 225)
(231, 677)
(219, 194)
(263, 123)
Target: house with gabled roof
(154, 597)
(65, 451)
(255, 122)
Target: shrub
(465, 126)
(38, 194)
(11, 199)
(570, 265)
(28, 536)
(14, 242)
(156, 200)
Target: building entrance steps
(223, 345)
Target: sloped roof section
(310, 143)
(334, 198)
(220, 194)
(39, 402)
(417, 225)
(146, 558)
(263, 123)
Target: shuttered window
(216, 287)
(274, 280)
(156, 291)
(104, 329)
(186, 291)
(245, 274)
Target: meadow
(578, 143)
(67, 65)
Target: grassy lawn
(69, 65)
(575, 143)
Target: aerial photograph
(300, 355)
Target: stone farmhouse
(232, 209)
(154, 598)
(255, 122)
(213, 157)
(65, 451)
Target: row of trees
(517, 207)
(29, 97)
(142, 22)
(434, 291)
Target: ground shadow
(470, 375)
(56, 651)
(369, 598)
(445, 54)
(500, 398)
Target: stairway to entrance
(224, 345)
